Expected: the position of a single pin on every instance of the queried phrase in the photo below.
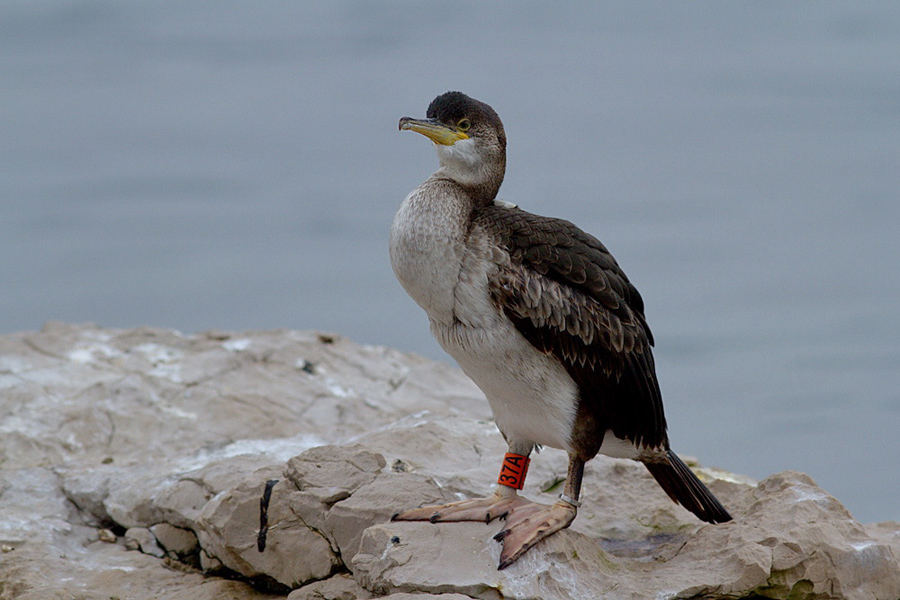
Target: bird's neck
(479, 173)
(479, 193)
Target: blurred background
(232, 165)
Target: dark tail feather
(685, 489)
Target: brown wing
(566, 294)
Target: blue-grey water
(236, 165)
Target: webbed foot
(527, 525)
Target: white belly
(531, 395)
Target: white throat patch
(461, 161)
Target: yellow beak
(433, 130)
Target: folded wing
(568, 297)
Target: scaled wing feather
(567, 295)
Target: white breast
(446, 269)
(427, 246)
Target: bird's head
(469, 138)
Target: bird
(542, 318)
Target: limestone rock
(143, 540)
(169, 442)
(793, 541)
(340, 587)
(293, 554)
(175, 540)
(405, 596)
(392, 555)
(333, 473)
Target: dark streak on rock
(264, 515)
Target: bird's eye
(464, 125)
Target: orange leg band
(513, 471)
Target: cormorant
(542, 318)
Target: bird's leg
(528, 525)
(501, 503)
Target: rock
(267, 465)
(294, 553)
(391, 557)
(142, 539)
(175, 540)
(887, 532)
(793, 540)
(404, 596)
(108, 536)
(340, 587)
(333, 473)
